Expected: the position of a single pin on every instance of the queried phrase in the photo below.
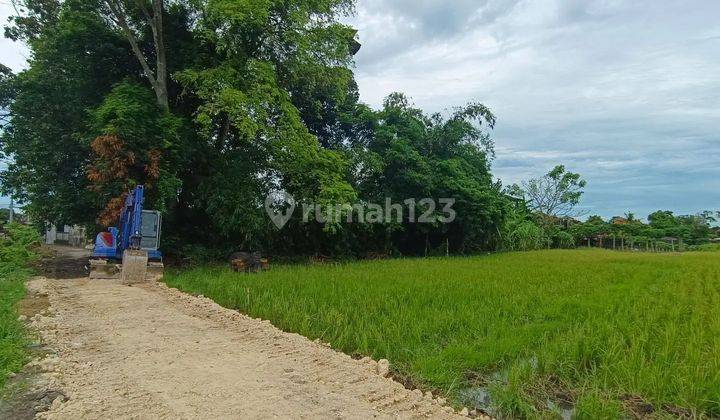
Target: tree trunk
(161, 88)
(157, 78)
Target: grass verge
(18, 246)
(590, 333)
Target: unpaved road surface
(148, 351)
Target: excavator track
(102, 269)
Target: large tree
(256, 108)
(75, 61)
(553, 196)
(411, 155)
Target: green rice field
(572, 333)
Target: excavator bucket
(134, 267)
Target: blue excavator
(130, 251)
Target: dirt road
(152, 352)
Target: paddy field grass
(583, 333)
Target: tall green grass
(589, 327)
(18, 248)
(714, 247)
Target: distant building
(66, 235)
(564, 221)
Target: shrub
(18, 248)
(527, 236)
(564, 240)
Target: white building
(67, 235)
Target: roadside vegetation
(597, 333)
(18, 245)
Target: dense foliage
(18, 245)
(259, 99)
(663, 231)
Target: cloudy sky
(625, 92)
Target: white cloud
(623, 92)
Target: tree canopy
(215, 105)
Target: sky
(627, 93)
(14, 56)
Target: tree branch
(161, 59)
(117, 11)
(157, 78)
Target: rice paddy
(583, 333)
